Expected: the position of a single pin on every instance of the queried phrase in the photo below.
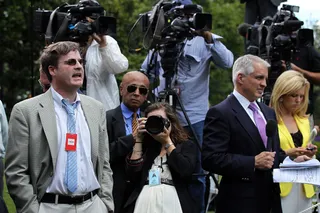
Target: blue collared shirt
(127, 117)
(193, 74)
(87, 180)
(3, 131)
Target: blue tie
(71, 177)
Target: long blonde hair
(287, 83)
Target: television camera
(166, 27)
(165, 30)
(277, 39)
(71, 22)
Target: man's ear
(121, 88)
(240, 78)
(52, 70)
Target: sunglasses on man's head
(72, 62)
(142, 90)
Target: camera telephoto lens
(155, 124)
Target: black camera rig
(70, 22)
(277, 39)
(165, 30)
(166, 27)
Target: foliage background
(21, 47)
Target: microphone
(271, 129)
(87, 10)
(243, 29)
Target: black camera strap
(49, 34)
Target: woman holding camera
(290, 101)
(161, 164)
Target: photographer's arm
(221, 56)
(110, 57)
(313, 77)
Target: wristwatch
(167, 146)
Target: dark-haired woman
(161, 166)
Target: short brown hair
(51, 54)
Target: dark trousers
(1, 177)
(197, 189)
(259, 8)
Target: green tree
(227, 15)
(21, 47)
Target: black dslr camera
(156, 124)
(71, 23)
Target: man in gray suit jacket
(58, 160)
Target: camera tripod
(170, 94)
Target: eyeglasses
(44, 86)
(142, 90)
(72, 62)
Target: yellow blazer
(286, 143)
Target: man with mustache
(121, 125)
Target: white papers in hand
(309, 176)
(289, 164)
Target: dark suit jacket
(3, 207)
(120, 146)
(181, 161)
(230, 143)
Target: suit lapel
(118, 122)
(246, 122)
(48, 121)
(93, 128)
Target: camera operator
(307, 61)
(103, 60)
(256, 10)
(192, 82)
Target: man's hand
(100, 39)
(264, 160)
(206, 35)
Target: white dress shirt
(101, 66)
(244, 102)
(87, 180)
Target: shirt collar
(126, 112)
(243, 100)
(58, 98)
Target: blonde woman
(290, 101)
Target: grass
(10, 205)
(12, 209)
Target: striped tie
(134, 122)
(71, 177)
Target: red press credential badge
(71, 142)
